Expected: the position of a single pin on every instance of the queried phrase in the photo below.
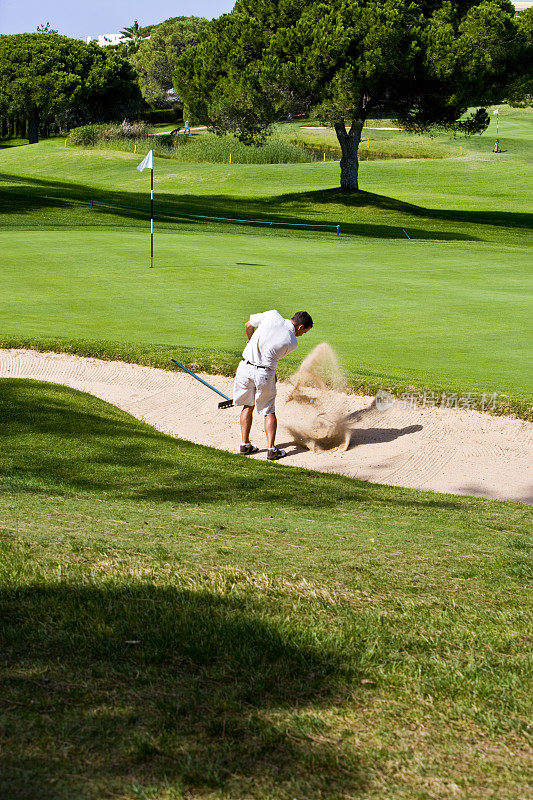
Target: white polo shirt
(272, 339)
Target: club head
(226, 404)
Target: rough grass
(299, 141)
(183, 623)
(198, 148)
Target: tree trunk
(33, 127)
(349, 142)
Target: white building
(521, 6)
(105, 39)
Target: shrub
(205, 148)
(93, 135)
(217, 150)
(129, 130)
(86, 136)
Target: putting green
(398, 310)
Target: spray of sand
(314, 413)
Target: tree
(44, 75)
(424, 62)
(156, 57)
(520, 92)
(134, 35)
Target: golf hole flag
(148, 163)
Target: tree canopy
(521, 89)
(44, 76)
(423, 62)
(133, 36)
(156, 57)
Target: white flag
(146, 163)
(494, 112)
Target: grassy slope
(447, 310)
(179, 622)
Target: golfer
(270, 337)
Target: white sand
(444, 450)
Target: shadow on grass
(57, 440)
(362, 199)
(25, 195)
(111, 687)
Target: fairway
(396, 311)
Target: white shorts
(255, 386)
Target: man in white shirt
(270, 337)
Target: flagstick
(148, 163)
(152, 217)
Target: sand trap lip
(442, 450)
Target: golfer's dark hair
(303, 318)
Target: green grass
(289, 142)
(74, 296)
(377, 142)
(12, 142)
(447, 310)
(179, 622)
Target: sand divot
(317, 416)
(440, 449)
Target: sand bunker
(441, 449)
